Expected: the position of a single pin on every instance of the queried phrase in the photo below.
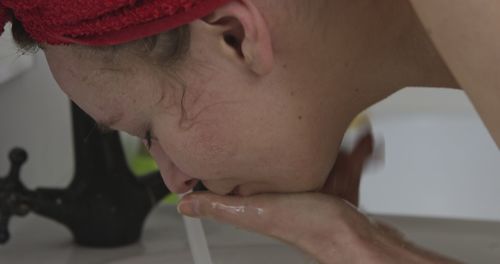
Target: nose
(176, 180)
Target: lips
(235, 191)
(203, 187)
(218, 187)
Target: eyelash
(149, 140)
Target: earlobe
(244, 31)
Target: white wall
(34, 115)
(440, 159)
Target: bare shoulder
(467, 34)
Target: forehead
(106, 90)
(80, 77)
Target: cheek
(212, 147)
(204, 149)
(254, 136)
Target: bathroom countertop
(38, 240)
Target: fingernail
(188, 208)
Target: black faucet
(104, 206)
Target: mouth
(200, 187)
(235, 191)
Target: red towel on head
(102, 22)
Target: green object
(143, 164)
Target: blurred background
(439, 158)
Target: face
(234, 135)
(213, 117)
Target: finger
(349, 187)
(250, 213)
(345, 179)
(337, 174)
(351, 165)
(278, 216)
(363, 149)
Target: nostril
(200, 187)
(191, 183)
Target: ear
(242, 29)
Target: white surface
(440, 159)
(12, 63)
(34, 114)
(36, 240)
